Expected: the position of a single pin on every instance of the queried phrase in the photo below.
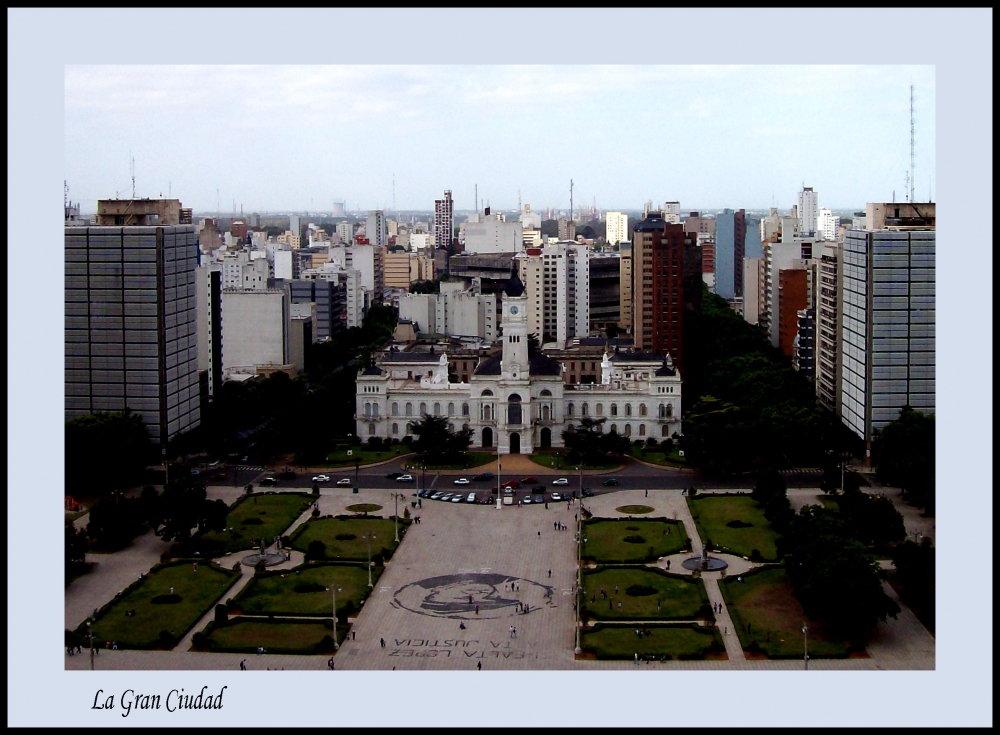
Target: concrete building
(666, 288)
(803, 347)
(516, 400)
(239, 271)
(376, 229)
(530, 220)
(616, 224)
(625, 286)
(730, 249)
(827, 226)
(131, 323)
(707, 246)
(826, 300)
(286, 266)
(208, 307)
(492, 233)
(454, 312)
(778, 256)
(255, 329)
(329, 299)
(557, 282)
(753, 277)
(671, 213)
(444, 220)
(142, 213)
(397, 270)
(356, 298)
(345, 231)
(369, 260)
(566, 229)
(888, 306)
(295, 225)
(808, 211)
(699, 224)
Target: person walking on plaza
(381, 642)
(479, 666)
(243, 665)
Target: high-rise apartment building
(605, 290)
(730, 244)
(625, 286)
(377, 229)
(827, 226)
(808, 210)
(697, 223)
(826, 300)
(803, 346)
(888, 305)
(567, 229)
(255, 329)
(345, 231)
(295, 225)
(793, 285)
(616, 227)
(666, 288)
(330, 297)
(208, 302)
(557, 285)
(444, 221)
(753, 269)
(492, 233)
(671, 213)
(131, 325)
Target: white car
(556, 497)
(321, 478)
(561, 481)
(344, 482)
(471, 498)
(404, 478)
(456, 498)
(461, 481)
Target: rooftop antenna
(394, 194)
(132, 170)
(571, 200)
(911, 143)
(65, 193)
(477, 198)
(218, 207)
(519, 208)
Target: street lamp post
(90, 632)
(395, 517)
(369, 536)
(335, 589)
(805, 634)
(579, 569)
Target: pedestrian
(330, 663)
(352, 635)
(637, 659)
(739, 579)
(515, 632)
(470, 599)
(461, 626)
(616, 589)
(550, 574)
(726, 630)
(259, 650)
(479, 666)
(647, 493)
(196, 567)
(243, 665)
(511, 629)
(171, 590)
(668, 564)
(381, 642)
(539, 534)
(477, 609)
(619, 606)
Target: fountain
(270, 558)
(704, 563)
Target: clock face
(513, 310)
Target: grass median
(674, 642)
(632, 540)
(735, 524)
(634, 593)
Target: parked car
(538, 489)
(287, 473)
(425, 493)
(512, 483)
(611, 482)
(344, 482)
(539, 499)
(456, 498)
(556, 497)
(484, 476)
(269, 481)
(437, 495)
(404, 478)
(445, 496)
(462, 481)
(526, 480)
(588, 493)
(393, 475)
(527, 500)
(508, 490)
(561, 481)
(470, 498)
(325, 478)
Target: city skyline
(407, 133)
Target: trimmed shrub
(316, 551)
(221, 614)
(739, 524)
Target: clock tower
(514, 323)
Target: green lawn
(643, 593)
(829, 503)
(556, 459)
(244, 635)
(354, 548)
(655, 456)
(711, 514)
(305, 590)
(605, 539)
(364, 456)
(675, 642)
(253, 517)
(467, 460)
(766, 601)
(196, 592)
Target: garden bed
(278, 635)
(734, 524)
(664, 642)
(343, 537)
(632, 540)
(644, 594)
(254, 516)
(305, 590)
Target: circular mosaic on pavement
(459, 595)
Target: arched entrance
(546, 437)
(514, 409)
(487, 437)
(515, 443)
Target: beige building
(625, 286)
(616, 227)
(401, 269)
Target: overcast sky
(281, 138)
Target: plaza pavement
(462, 540)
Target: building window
(368, 409)
(395, 428)
(374, 409)
(614, 429)
(628, 429)
(584, 411)
(569, 409)
(465, 409)
(642, 430)
(409, 409)
(614, 409)
(665, 431)
(642, 409)
(628, 409)
(395, 409)
(423, 409)
(437, 409)
(371, 429)
(600, 409)
(451, 409)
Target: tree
(874, 521)
(75, 548)
(903, 455)
(915, 567)
(184, 506)
(833, 576)
(612, 331)
(717, 438)
(585, 439)
(433, 286)
(114, 522)
(106, 451)
(435, 441)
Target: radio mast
(911, 143)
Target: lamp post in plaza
(90, 632)
(579, 568)
(369, 536)
(805, 634)
(335, 589)
(395, 517)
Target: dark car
(538, 499)
(512, 484)
(269, 481)
(611, 482)
(425, 493)
(588, 493)
(538, 489)
(393, 475)
(530, 479)
(287, 474)
(484, 476)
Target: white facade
(243, 273)
(355, 302)
(557, 283)
(515, 401)
(751, 289)
(284, 264)
(808, 210)
(255, 329)
(827, 226)
(617, 227)
(345, 230)
(778, 256)
(492, 234)
(672, 213)
(377, 229)
(453, 312)
(530, 220)
(419, 241)
(294, 225)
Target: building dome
(514, 286)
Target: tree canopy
(106, 451)
(587, 440)
(903, 455)
(184, 506)
(435, 441)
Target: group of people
(559, 526)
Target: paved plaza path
(501, 558)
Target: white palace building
(515, 401)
